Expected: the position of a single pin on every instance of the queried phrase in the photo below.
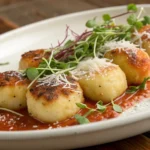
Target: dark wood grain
(135, 143)
(6, 25)
(108, 3)
(15, 13)
(32, 11)
(10, 2)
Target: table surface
(16, 13)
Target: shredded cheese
(138, 36)
(121, 45)
(89, 67)
(55, 80)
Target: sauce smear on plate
(12, 122)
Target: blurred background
(16, 13)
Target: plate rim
(77, 129)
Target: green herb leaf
(132, 19)
(32, 73)
(91, 23)
(138, 24)
(106, 17)
(5, 63)
(146, 20)
(143, 84)
(81, 119)
(128, 36)
(132, 89)
(117, 108)
(81, 105)
(132, 7)
(100, 106)
(68, 43)
(89, 112)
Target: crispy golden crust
(51, 93)
(32, 58)
(145, 29)
(135, 63)
(11, 78)
(137, 59)
(51, 104)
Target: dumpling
(49, 103)
(100, 80)
(32, 58)
(134, 62)
(13, 88)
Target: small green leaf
(132, 89)
(117, 108)
(106, 17)
(32, 73)
(138, 24)
(100, 106)
(81, 105)
(91, 23)
(132, 19)
(132, 7)
(42, 65)
(128, 36)
(146, 20)
(86, 46)
(143, 84)
(81, 119)
(68, 43)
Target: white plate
(41, 35)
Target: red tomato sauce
(12, 122)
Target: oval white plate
(41, 35)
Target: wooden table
(16, 13)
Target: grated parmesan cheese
(15, 74)
(138, 37)
(90, 66)
(56, 80)
(121, 45)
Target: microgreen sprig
(32, 73)
(116, 107)
(131, 8)
(68, 54)
(142, 86)
(99, 108)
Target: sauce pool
(12, 122)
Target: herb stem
(125, 13)
(95, 43)
(11, 111)
(66, 70)
(48, 69)
(35, 79)
(140, 13)
(89, 112)
(48, 65)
